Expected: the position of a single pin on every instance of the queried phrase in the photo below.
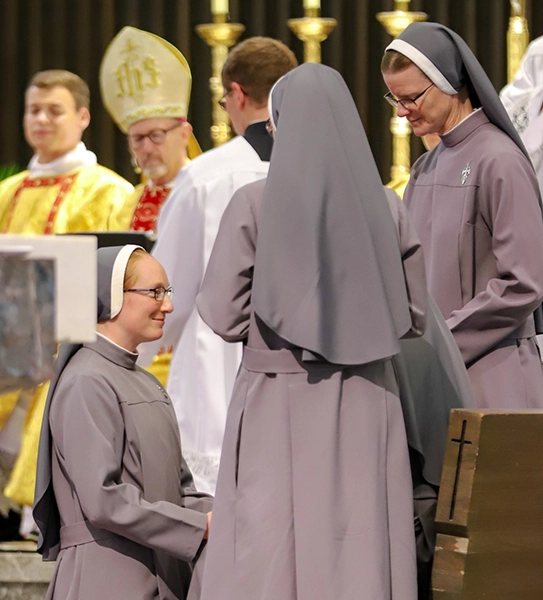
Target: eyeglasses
(159, 293)
(222, 100)
(407, 103)
(270, 128)
(157, 136)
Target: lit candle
(219, 7)
(309, 4)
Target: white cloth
(73, 160)
(203, 366)
(523, 100)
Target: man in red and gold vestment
(145, 84)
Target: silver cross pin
(465, 173)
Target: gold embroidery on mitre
(143, 76)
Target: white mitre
(143, 76)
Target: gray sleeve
(508, 201)
(413, 265)
(224, 301)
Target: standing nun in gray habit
(115, 503)
(314, 494)
(474, 201)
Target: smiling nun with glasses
(115, 501)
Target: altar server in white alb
(474, 201)
(203, 367)
(523, 100)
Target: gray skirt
(314, 494)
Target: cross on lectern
(461, 443)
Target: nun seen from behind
(115, 502)
(474, 201)
(314, 494)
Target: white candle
(312, 4)
(219, 7)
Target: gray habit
(314, 496)
(474, 203)
(115, 502)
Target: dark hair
(394, 62)
(66, 79)
(256, 64)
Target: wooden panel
(490, 507)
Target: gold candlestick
(518, 37)
(220, 36)
(312, 30)
(395, 22)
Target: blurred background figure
(523, 100)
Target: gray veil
(445, 58)
(328, 274)
(112, 263)
(448, 62)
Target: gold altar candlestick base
(394, 23)
(518, 37)
(401, 154)
(220, 36)
(312, 30)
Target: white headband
(424, 64)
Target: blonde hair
(130, 274)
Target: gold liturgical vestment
(80, 200)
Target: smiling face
(142, 317)
(160, 162)
(52, 124)
(434, 112)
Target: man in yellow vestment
(145, 84)
(63, 190)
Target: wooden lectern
(490, 508)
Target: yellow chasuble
(82, 200)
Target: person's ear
(84, 118)
(186, 131)
(239, 96)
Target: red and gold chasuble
(148, 207)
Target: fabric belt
(80, 533)
(282, 361)
(525, 331)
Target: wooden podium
(490, 508)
